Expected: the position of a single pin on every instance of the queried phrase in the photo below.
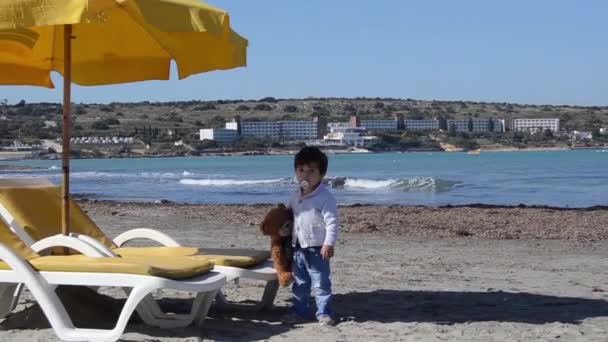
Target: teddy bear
(278, 224)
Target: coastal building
(281, 130)
(535, 125)
(219, 135)
(580, 136)
(235, 124)
(380, 125)
(18, 145)
(476, 125)
(19, 150)
(102, 140)
(421, 125)
(270, 129)
(340, 124)
(50, 123)
(353, 136)
(393, 124)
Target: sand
(421, 274)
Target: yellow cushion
(165, 267)
(38, 211)
(155, 251)
(222, 257)
(171, 267)
(235, 257)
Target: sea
(546, 178)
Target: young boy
(315, 231)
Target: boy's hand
(327, 252)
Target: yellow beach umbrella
(99, 42)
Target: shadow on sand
(387, 306)
(383, 306)
(92, 310)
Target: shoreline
(529, 149)
(275, 152)
(292, 152)
(162, 202)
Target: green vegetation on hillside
(169, 121)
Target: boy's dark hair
(311, 154)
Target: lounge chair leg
(201, 306)
(266, 302)
(270, 293)
(152, 315)
(9, 295)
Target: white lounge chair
(42, 274)
(28, 205)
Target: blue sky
(522, 51)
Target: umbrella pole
(65, 161)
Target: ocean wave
(425, 184)
(96, 174)
(228, 182)
(138, 175)
(85, 195)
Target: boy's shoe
(292, 318)
(325, 320)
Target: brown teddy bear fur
(277, 224)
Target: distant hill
(27, 120)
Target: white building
(535, 125)
(20, 146)
(380, 125)
(581, 136)
(232, 125)
(49, 123)
(478, 125)
(102, 140)
(348, 136)
(421, 125)
(284, 130)
(294, 130)
(260, 129)
(340, 124)
(219, 135)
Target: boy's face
(310, 173)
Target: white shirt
(316, 220)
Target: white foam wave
(368, 183)
(94, 174)
(227, 182)
(159, 175)
(430, 184)
(139, 175)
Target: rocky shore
(473, 221)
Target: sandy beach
(473, 273)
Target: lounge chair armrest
(95, 243)
(67, 241)
(145, 233)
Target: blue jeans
(310, 269)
